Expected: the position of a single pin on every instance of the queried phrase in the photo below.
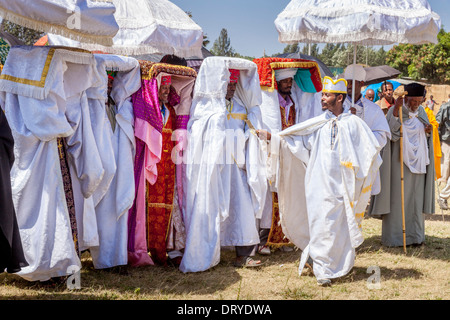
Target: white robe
(374, 117)
(112, 209)
(39, 111)
(307, 106)
(324, 188)
(225, 187)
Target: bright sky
(250, 23)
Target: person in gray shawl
(418, 168)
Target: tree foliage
(428, 61)
(28, 36)
(222, 45)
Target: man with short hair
(387, 100)
(370, 94)
(322, 196)
(418, 172)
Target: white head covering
(334, 86)
(212, 80)
(355, 70)
(281, 74)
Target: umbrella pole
(402, 178)
(353, 75)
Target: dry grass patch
(423, 273)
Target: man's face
(358, 86)
(163, 93)
(370, 94)
(285, 86)
(388, 91)
(332, 102)
(413, 103)
(328, 100)
(231, 88)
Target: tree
(380, 57)
(291, 48)
(28, 36)
(429, 61)
(205, 40)
(314, 50)
(222, 45)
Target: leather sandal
(247, 262)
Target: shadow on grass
(361, 274)
(131, 283)
(434, 248)
(438, 216)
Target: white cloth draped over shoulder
(374, 117)
(324, 188)
(46, 96)
(112, 208)
(415, 145)
(226, 183)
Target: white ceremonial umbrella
(85, 20)
(147, 27)
(365, 22)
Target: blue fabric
(377, 86)
(303, 80)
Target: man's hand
(353, 110)
(428, 128)
(263, 134)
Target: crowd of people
(151, 163)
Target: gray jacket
(443, 117)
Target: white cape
(323, 189)
(374, 117)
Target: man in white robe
(282, 108)
(112, 208)
(324, 178)
(46, 101)
(367, 110)
(225, 184)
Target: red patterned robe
(160, 196)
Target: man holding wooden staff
(403, 213)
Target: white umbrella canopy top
(366, 22)
(85, 20)
(148, 27)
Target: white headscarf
(281, 74)
(212, 81)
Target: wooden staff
(400, 114)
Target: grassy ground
(422, 273)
